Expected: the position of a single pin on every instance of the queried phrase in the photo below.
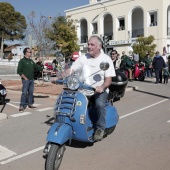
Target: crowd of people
(158, 65)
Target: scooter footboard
(59, 133)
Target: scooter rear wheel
(55, 157)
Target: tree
(36, 28)
(144, 45)
(12, 24)
(63, 32)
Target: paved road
(139, 142)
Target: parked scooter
(138, 71)
(74, 117)
(3, 94)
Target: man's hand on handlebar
(99, 89)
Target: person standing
(116, 59)
(100, 80)
(164, 56)
(158, 64)
(123, 55)
(26, 68)
(166, 74)
(148, 66)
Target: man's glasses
(29, 52)
(113, 53)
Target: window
(95, 30)
(121, 22)
(153, 18)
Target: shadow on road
(40, 96)
(166, 97)
(49, 121)
(78, 144)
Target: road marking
(22, 155)
(42, 147)
(5, 153)
(45, 109)
(129, 114)
(10, 75)
(13, 105)
(14, 102)
(18, 106)
(168, 121)
(21, 114)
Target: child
(165, 74)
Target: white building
(123, 21)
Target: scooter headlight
(73, 83)
(3, 92)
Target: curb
(131, 88)
(53, 96)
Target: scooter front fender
(59, 133)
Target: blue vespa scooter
(74, 119)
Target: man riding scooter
(89, 64)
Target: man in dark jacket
(158, 64)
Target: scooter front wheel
(55, 157)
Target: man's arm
(65, 73)
(105, 85)
(20, 70)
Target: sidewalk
(47, 88)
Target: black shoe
(156, 82)
(21, 109)
(32, 107)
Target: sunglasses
(29, 52)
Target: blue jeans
(27, 92)
(100, 106)
(149, 72)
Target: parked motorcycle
(138, 71)
(3, 94)
(74, 117)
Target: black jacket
(158, 62)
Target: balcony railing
(137, 33)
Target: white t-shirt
(91, 72)
(165, 58)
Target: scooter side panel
(59, 133)
(112, 116)
(83, 131)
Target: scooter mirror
(104, 65)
